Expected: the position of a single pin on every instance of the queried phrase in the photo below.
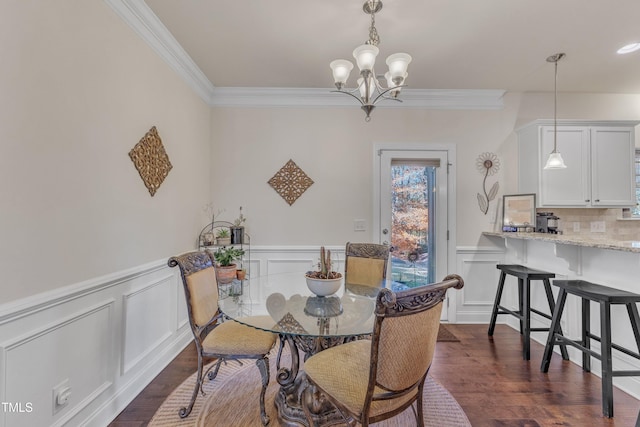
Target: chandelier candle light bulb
(371, 87)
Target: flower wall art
(487, 164)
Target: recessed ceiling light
(629, 48)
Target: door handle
(385, 231)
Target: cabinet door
(570, 186)
(612, 166)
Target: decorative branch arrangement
(487, 164)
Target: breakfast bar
(612, 263)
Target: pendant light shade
(555, 160)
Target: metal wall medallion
(290, 182)
(151, 160)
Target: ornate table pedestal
(289, 401)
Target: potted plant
(208, 237)
(225, 267)
(237, 231)
(222, 237)
(325, 281)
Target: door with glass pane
(413, 215)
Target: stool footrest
(625, 373)
(559, 340)
(545, 315)
(616, 346)
(539, 329)
(504, 310)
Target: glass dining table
(282, 304)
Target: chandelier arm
(385, 91)
(350, 94)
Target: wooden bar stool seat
(605, 296)
(524, 275)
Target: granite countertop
(601, 243)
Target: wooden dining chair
(370, 381)
(214, 337)
(365, 268)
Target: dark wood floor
(486, 375)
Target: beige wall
(334, 146)
(79, 89)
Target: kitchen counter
(617, 245)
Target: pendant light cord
(555, 109)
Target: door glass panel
(412, 223)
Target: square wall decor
(151, 160)
(290, 182)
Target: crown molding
(148, 26)
(411, 98)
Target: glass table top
(282, 303)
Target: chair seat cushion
(233, 338)
(343, 372)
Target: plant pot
(223, 241)
(237, 235)
(241, 274)
(208, 239)
(323, 287)
(225, 274)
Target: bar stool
(605, 296)
(525, 275)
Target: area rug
(232, 401)
(445, 335)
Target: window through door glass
(412, 223)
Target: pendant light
(555, 160)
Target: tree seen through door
(411, 204)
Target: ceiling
(455, 44)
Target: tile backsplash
(579, 222)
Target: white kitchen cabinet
(599, 157)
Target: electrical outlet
(359, 225)
(61, 395)
(597, 227)
(576, 227)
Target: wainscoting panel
(105, 339)
(477, 266)
(40, 360)
(148, 314)
(292, 259)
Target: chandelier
(371, 88)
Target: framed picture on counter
(518, 210)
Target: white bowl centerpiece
(324, 281)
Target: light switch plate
(359, 225)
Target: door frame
(451, 198)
